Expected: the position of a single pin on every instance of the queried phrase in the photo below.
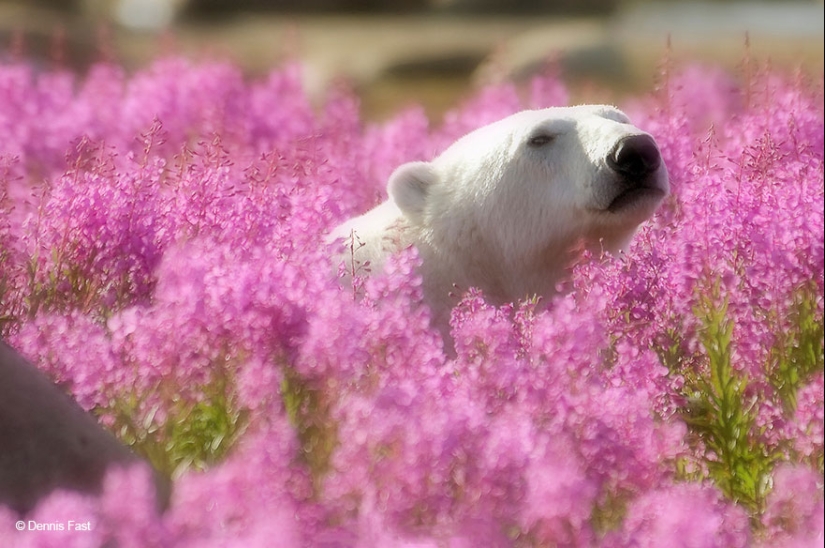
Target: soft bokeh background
(395, 52)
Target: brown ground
(394, 61)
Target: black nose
(635, 156)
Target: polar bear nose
(635, 156)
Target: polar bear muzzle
(636, 161)
(635, 156)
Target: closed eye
(540, 140)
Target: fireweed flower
(76, 353)
(795, 508)
(162, 259)
(682, 515)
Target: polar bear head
(505, 207)
(502, 207)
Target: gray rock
(47, 441)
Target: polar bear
(504, 207)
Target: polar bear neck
(464, 258)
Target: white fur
(496, 212)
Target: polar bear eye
(540, 140)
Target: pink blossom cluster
(163, 260)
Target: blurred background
(431, 52)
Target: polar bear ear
(409, 186)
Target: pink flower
(162, 259)
(685, 516)
(794, 516)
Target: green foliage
(721, 400)
(7, 312)
(63, 287)
(798, 353)
(193, 433)
(722, 413)
(308, 409)
(608, 513)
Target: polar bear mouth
(633, 196)
(635, 160)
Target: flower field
(162, 259)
